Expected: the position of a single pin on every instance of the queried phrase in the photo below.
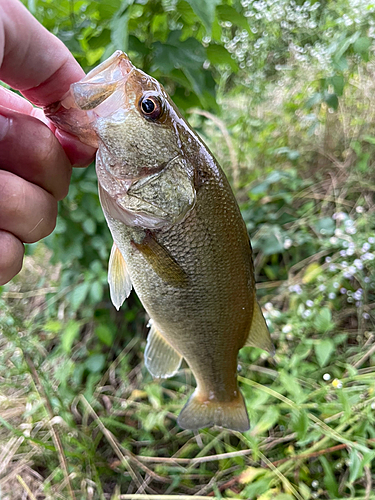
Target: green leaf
(69, 334)
(78, 295)
(305, 491)
(355, 465)
(218, 55)
(266, 421)
(300, 423)
(323, 321)
(205, 10)
(95, 363)
(323, 351)
(96, 292)
(119, 27)
(104, 334)
(53, 326)
(367, 138)
(89, 226)
(329, 478)
(290, 383)
(338, 83)
(228, 13)
(362, 45)
(102, 40)
(325, 226)
(313, 100)
(331, 100)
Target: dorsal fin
(161, 359)
(119, 281)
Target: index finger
(33, 60)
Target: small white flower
(336, 383)
(359, 209)
(309, 303)
(322, 288)
(371, 240)
(331, 295)
(339, 216)
(287, 328)
(326, 376)
(288, 243)
(358, 264)
(365, 247)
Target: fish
(178, 235)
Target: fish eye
(151, 107)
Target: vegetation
(290, 86)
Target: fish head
(130, 118)
(126, 114)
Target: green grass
(104, 429)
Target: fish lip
(118, 58)
(81, 105)
(111, 73)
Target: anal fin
(161, 359)
(259, 336)
(119, 281)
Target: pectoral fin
(162, 262)
(118, 278)
(259, 335)
(161, 359)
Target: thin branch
(315, 454)
(25, 487)
(197, 460)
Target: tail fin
(231, 414)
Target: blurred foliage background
(282, 92)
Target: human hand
(35, 158)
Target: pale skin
(36, 159)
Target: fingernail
(4, 126)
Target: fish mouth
(99, 93)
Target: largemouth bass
(179, 238)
